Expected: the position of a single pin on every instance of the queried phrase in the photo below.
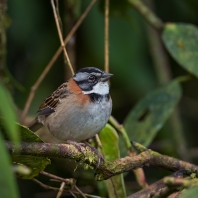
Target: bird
(78, 109)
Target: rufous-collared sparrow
(78, 109)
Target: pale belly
(78, 124)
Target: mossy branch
(107, 169)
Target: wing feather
(50, 103)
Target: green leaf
(190, 193)
(8, 186)
(8, 113)
(149, 114)
(181, 40)
(35, 164)
(110, 148)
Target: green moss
(99, 177)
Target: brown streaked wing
(50, 103)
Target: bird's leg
(100, 157)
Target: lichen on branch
(106, 169)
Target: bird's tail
(35, 125)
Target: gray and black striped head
(92, 80)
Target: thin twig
(148, 15)
(80, 192)
(61, 37)
(44, 185)
(119, 127)
(92, 196)
(80, 20)
(114, 190)
(159, 56)
(98, 141)
(55, 180)
(54, 188)
(61, 189)
(52, 61)
(72, 194)
(106, 51)
(67, 181)
(58, 15)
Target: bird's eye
(92, 78)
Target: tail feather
(35, 125)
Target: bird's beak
(105, 76)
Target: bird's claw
(84, 144)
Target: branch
(179, 182)
(61, 37)
(78, 192)
(155, 190)
(106, 40)
(148, 15)
(70, 183)
(162, 188)
(167, 186)
(107, 169)
(61, 189)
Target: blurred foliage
(35, 164)
(190, 193)
(32, 40)
(182, 42)
(7, 181)
(110, 149)
(149, 114)
(7, 111)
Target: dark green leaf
(190, 193)
(150, 113)
(110, 148)
(181, 40)
(8, 186)
(8, 113)
(36, 164)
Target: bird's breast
(79, 119)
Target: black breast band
(99, 98)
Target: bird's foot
(84, 144)
(100, 157)
(77, 145)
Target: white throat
(101, 88)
